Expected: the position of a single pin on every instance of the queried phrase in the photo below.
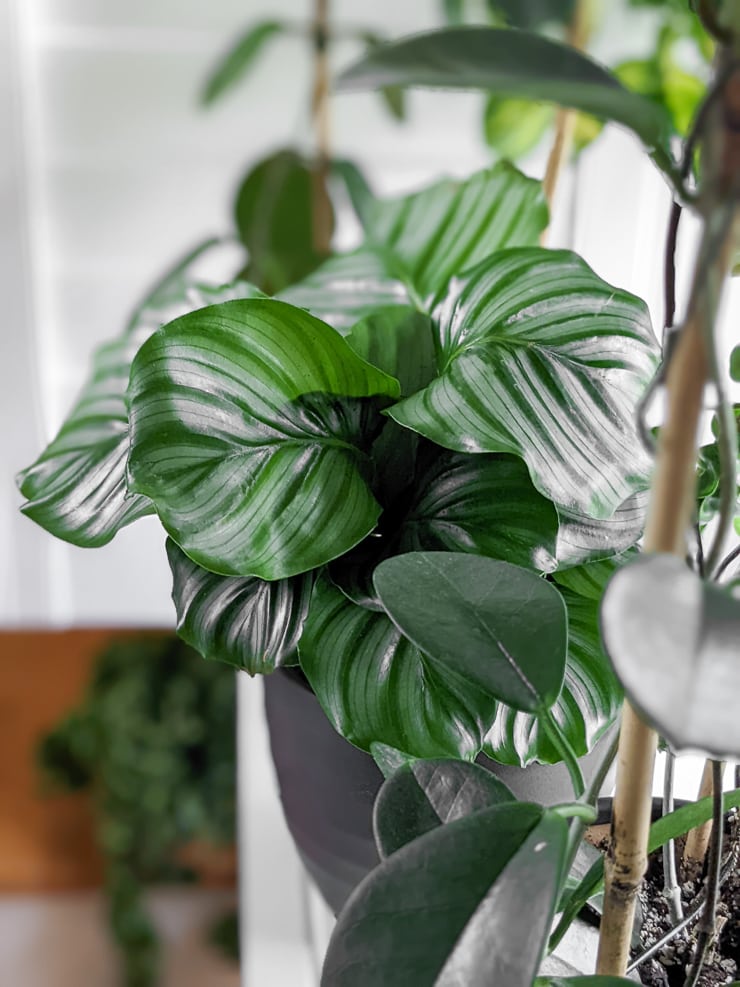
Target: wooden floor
(46, 842)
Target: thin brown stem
(322, 216)
(565, 119)
(709, 914)
(697, 841)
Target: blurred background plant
(154, 743)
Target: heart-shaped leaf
(494, 625)
(451, 226)
(541, 358)
(590, 580)
(376, 687)
(484, 505)
(276, 211)
(441, 912)
(587, 705)
(425, 794)
(349, 287)
(673, 641)
(234, 65)
(77, 488)
(583, 539)
(250, 427)
(514, 63)
(242, 620)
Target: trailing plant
(154, 743)
(413, 473)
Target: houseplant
(257, 433)
(154, 744)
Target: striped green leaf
(541, 358)
(485, 505)
(376, 687)
(251, 424)
(519, 64)
(77, 488)
(584, 539)
(451, 226)
(587, 704)
(590, 580)
(349, 287)
(244, 621)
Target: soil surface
(668, 968)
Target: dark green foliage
(154, 741)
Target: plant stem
(562, 746)
(670, 513)
(671, 888)
(697, 840)
(709, 914)
(565, 119)
(322, 223)
(727, 561)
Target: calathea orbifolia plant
(449, 386)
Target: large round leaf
(349, 287)
(673, 641)
(425, 794)
(541, 358)
(450, 226)
(514, 63)
(242, 620)
(494, 625)
(77, 488)
(250, 426)
(583, 539)
(588, 702)
(484, 505)
(376, 687)
(467, 903)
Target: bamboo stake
(669, 516)
(322, 216)
(565, 119)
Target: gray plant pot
(328, 787)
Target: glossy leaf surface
(376, 687)
(517, 64)
(673, 641)
(247, 622)
(349, 287)
(443, 911)
(494, 625)
(541, 358)
(485, 505)
(250, 425)
(399, 341)
(77, 488)
(232, 68)
(275, 214)
(588, 702)
(451, 226)
(426, 794)
(583, 539)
